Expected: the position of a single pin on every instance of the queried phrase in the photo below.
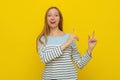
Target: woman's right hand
(71, 38)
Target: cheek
(58, 19)
(48, 19)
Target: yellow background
(21, 21)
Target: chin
(53, 26)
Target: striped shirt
(59, 65)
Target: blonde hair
(46, 30)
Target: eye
(56, 15)
(48, 15)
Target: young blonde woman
(58, 49)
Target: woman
(58, 49)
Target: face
(53, 18)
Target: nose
(52, 17)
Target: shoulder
(67, 34)
(42, 38)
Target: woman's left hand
(91, 43)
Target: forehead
(53, 10)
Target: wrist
(64, 45)
(89, 51)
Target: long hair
(46, 30)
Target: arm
(49, 53)
(81, 61)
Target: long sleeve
(49, 53)
(81, 61)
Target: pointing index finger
(93, 34)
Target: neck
(54, 31)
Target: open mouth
(52, 22)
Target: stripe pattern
(59, 65)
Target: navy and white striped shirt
(59, 65)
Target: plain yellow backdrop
(21, 21)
